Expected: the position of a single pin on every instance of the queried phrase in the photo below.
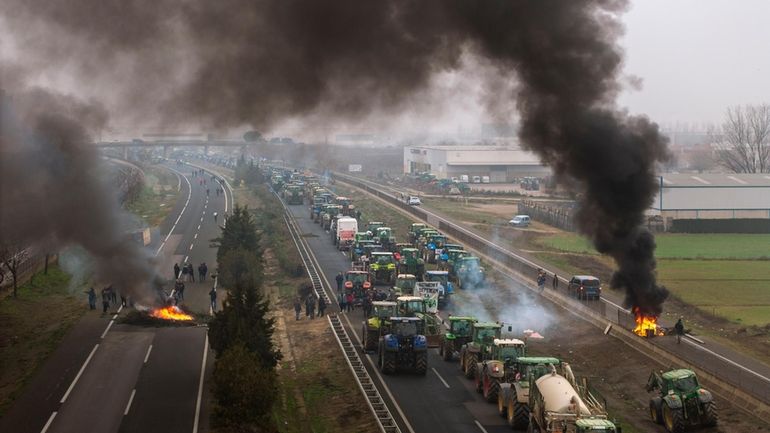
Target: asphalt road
(108, 377)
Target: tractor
(411, 263)
(404, 346)
(359, 248)
(434, 247)
(452, 257)
(382, 267)
(422, 241)
(470, 273)
(347, 205)
(446, 290)
(459, 333)
(414, 230)
(377, 324)
(513, 398)
(441, 260)
(478, 348)
(357, 282)
(414, 306)
(404, 285)
(681, 402)
(330, 213)
(385, 237)
(491, 373)
(372, 226)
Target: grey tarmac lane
(166, 387)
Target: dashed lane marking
(130, 400)
(481, 427)
(80, 373)
(196, 236)
(147, 356)
(200, 385)
(440, 378)
(48, 424)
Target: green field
(681, 246)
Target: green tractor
(491, 373)
(441, 260)
(477, 349)
(470, 273)
(459, 333)
(382, 267)
(414, 306)
(358, 248)
(513, 398)
(681, 402)
(452, 257)
(385, 236)
(377, 324)
(372, 227)
(404, 285)
(414, 232)
(411, 263)
(404, 346)
(434, 247)
(331, 212)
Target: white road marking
(114, 317)
(48, 424)
(74, 381)
(189, 194)
(130, 400)
(728, 360)
(147, 356)
(186, 257)
(107, 329)
(200, 385)
(191, 246)
(199, 226)
(478, 424)
(196, 236)
(120, 309)
(440, 378)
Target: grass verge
(157, 197)
(32, 326)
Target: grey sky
(697, 57)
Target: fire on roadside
(646, 325)
(170, 313)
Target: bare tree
(12, 256)
(742, 143)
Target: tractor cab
(469, 272)
(441, 277)
(414, 230)
(359, 249)
(405, 285)
(382, 266)
(411, 263)
(452, 257)
(372, 226)
(507, 350)
(357, 282)
(409, 306)
(461, 326)
(386, 238)
(486, 332)
(381, 311)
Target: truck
(513, 398)
(680, 402)
(477, 349)
(377, 325)
(445, 286)
(346, 228)
(559, 404)
(404, 346)
(459, 333)
(491, 373)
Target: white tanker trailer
(557, 407)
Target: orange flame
(170, 313)
(646, 325)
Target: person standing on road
(91, 298)
(201, 273)
(191, 272)
(213, 296)
(321, 306)
(105, 299)
(205, 270)
(679, 330)
(310, 306)
(555, 281)
(349, 301)
(340, 278)
(297, 308)
(176, 271)
(207, 192)
(185, 276)
(342, 302)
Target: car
(413, 200)
(476, 179)
(585, 287)
(520, 221)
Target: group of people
(310, 306)
(109, 298)
(187, 273)
(542, 278)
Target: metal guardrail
(374, 400)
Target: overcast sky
(696, 57)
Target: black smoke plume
(256, 63)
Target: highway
(110, 377)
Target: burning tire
(673, 419)
(710, 415)
(655, 410)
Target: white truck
(345, 233)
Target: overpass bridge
(166, 144)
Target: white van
(476, 179)
(484, 179)
(520, 221)
(464, 178)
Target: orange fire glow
(646, 325)
(170, 313)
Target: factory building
(713, 196)
(500, 163)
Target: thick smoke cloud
(259, 62)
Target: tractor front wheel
(388, 363)
(518, 414)
(470, 366)
(446, 351)
(673, 419)
(655, 410)
(710, 415)
(501, 406)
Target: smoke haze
(238, 62)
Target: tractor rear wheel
(518, 414)
(502, 408)
(421, 363)
(710, 415)
(673, 419)
(470, 366)
(491, 389)
(446, 351)
(479, 380)
(388, 363)
(655, 410)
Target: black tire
(655, 410)
(388, 363)
(492, 391)
(379, 355)
(446, 353)
(673, 419)
(421, 363)
(710, 414)
(518, 418)
(370, 343)
(470, 366)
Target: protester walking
(191, 272)
(105, 300)
(340, 278)
(297, 307)
(176, 271)
(321, 306)
(349, 302)
(213, 296)
(310, 306)
(91, 298)
(555, 281)
(679, 330)
(185, 276)
(342, 302)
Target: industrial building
(713, 196)
(500, 163)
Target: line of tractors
(536, 393)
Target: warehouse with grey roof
(500, 163)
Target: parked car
(476, 179)
(520, 221)
(413, 200)
(585, 287)
(484, 179)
